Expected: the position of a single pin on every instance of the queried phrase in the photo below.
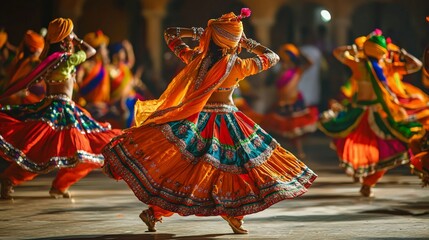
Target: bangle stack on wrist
(196, 33)
(251, 44)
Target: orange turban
(3, 38)
(59, 29)
(375, 47)
(225, 32)
(34, 41)
(95, 39)
(289, 52)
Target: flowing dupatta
(388, 101)
(183, 96)
(41, 70)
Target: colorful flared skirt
(292, 120)
(53, 133)
(366, 142)
(215, 162)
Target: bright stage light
(326, 16)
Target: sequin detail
(58, 111)
(250, 149)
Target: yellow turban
(59, 29)
(3, 38)
(95, 39)
(34, 41)
(288, 52)
(375, 47)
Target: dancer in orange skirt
(371, 134)
(290, 117)
(53, 133)
(193, 152)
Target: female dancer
(123, 85)
(372, 132)
(53, 133)
(193, 152)
(290, 117)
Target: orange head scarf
(95, 39)
(3, 38)
(58, 29)
(34, 41)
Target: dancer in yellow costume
(193, 152)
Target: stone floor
(102, 208)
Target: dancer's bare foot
(55, 193)
(235, 225)
(366, 191)
(149, 219)
(6, 189)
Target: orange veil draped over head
(183, 96)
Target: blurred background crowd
(316, 26)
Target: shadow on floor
(148, 236)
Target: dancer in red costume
(55, 132)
